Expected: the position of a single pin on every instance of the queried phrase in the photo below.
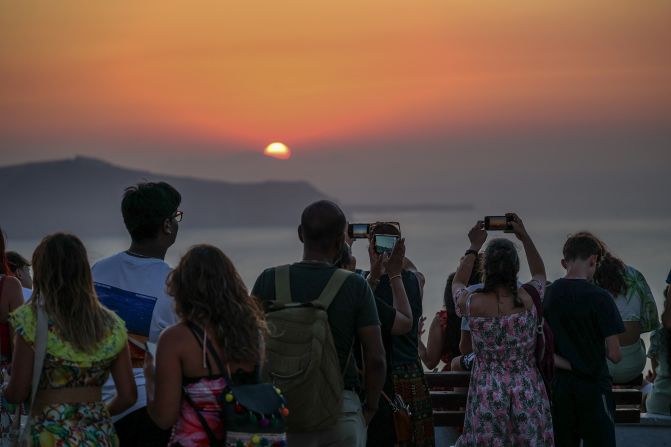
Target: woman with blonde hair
(85, 342)
(217, 344)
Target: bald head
(323, 226)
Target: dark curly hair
(208, 291)
(609, 272)
(500, 266)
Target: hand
(377, 262)
(477, 235)
(518, 227)
(394, 265)
(651, 376)
(368, 414)
(420, 329)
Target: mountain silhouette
(83, 196)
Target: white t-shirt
(135, 288)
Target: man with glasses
(133, 284)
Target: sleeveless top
(202, 397)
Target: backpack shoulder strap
(282, 284)
(332, 288)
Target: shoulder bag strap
(208, 430)
(282, 284)
(332, 288)
(41, 336)
(536, 298)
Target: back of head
(15, 261)
(384, 228)
(145, 207)
(323, 226)
(580, 246)
(500, 266)
(63, 284)
(209, 292)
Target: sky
(437, 101)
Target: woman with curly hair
(637, 307)
(218, 341)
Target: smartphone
(358, 230)
(385, 242)
(499, 223)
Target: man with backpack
(315, 312)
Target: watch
(469, 251)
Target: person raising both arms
(507, 400)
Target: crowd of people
(132, 352)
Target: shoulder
(107, 262)
(9, 283)
(264, 286)
(175, 333)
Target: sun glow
(277, 150)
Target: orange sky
(300, 72)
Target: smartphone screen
(358, 230)
(496, 223)
(384, 243)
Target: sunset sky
(199, 87)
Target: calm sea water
(434, 240)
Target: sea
(435, 240)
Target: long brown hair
(208, 291)
(609, 272)
(63, 285)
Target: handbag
(545, 358)
(401, 416)
(250, 412)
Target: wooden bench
(449, 405)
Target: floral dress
(507, 403)
(80, 424)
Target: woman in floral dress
(85, 342)
(507, 401)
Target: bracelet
(471, 252)
(394, 277)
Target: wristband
(394, 277)
(471, 252)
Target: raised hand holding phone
(394, 264)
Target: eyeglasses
(178, 216)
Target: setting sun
(277, 150)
